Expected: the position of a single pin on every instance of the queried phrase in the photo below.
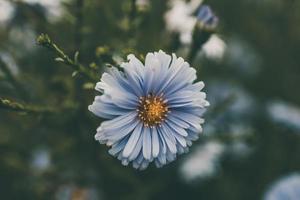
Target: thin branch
(19, 107)
(45, 41)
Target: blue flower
(206, 18)
(287, 188)
(153, 111)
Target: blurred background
(250, 146)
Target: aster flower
(153, 111)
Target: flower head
(153, 111)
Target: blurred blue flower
(206, 18)
(6, 11)
(153, 111)
(41, 160)
(287, 188)
(284, 113)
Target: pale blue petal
(170, 156)
(99, 112)
(162, 143)
(144, 165)
(174, 69)
(187, 117)
(169, 139)
(177, 121)
(137, 149)
(119, 133)
(136, 64)
(176, 128)
(132, 142)
(120, 121)
(155, 143)
(162, 71)
(184, 78)
(106, 110)
(198, 86)
(147, 143)
(116, 148)
(181, 140)
(126, 84)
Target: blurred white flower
(214, 48)
(142, 4)
(285, 113)
(53, 7)
(287, 188)
(10, 62)
(203, 161)
(6, 11)
(179, 18)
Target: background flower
(203, 162)
(286, 188)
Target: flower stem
(200, 37)
(19, 107)
(45, 41)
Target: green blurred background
(252, 73)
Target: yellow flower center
(152, 110)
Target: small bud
(142, 5)
(93, 65)
(207, 20)
(88, 86)
(43, 39)
(206, 25)
(102, 50)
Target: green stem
(200, 37)
(18, 107)
(45, 41)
